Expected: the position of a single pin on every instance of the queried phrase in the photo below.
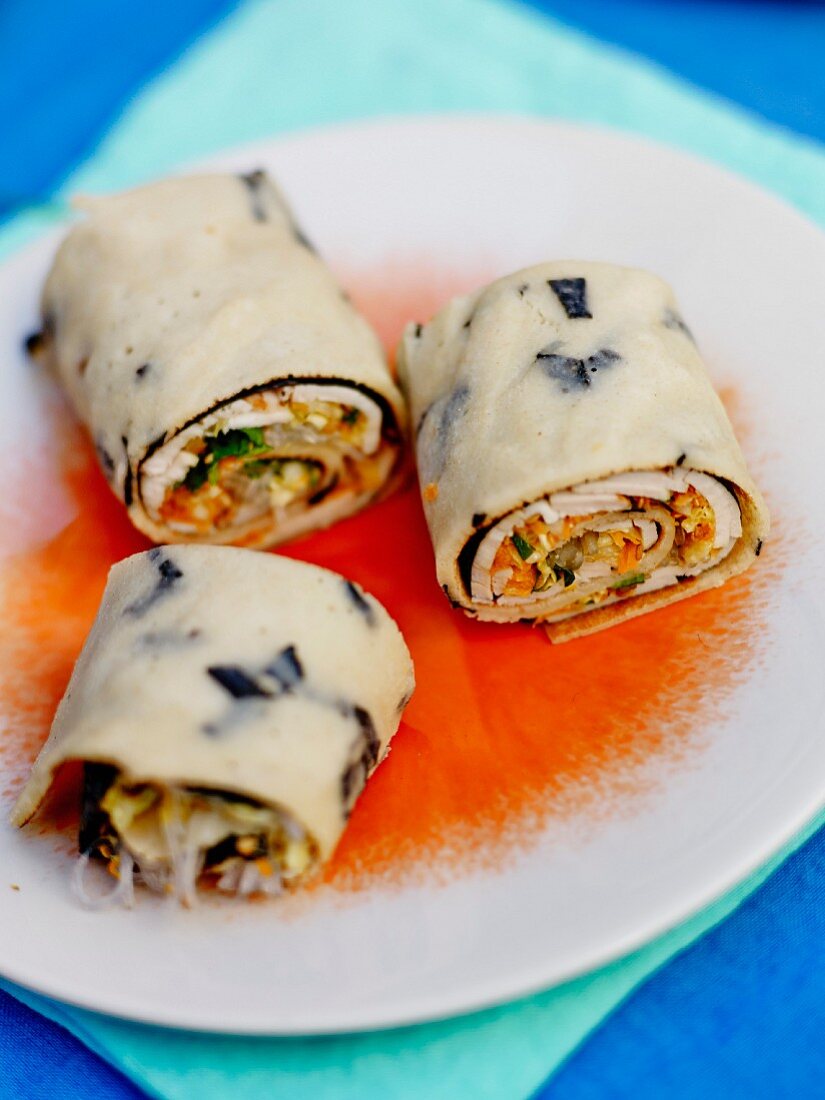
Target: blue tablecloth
(740, 1013)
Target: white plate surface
(497, 194)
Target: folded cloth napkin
(279, 65)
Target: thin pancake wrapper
(233, 393)
(229, 707)
(577, 466)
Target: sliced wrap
(229, 707)
(577, 467)
(233, 393)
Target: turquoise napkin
(280, 65)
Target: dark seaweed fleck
(468, 322)
(575, 373)
(143, 370)
(286, 669)
(522, 290)
(94, 822)
(323, 492)
(127, 477)
(453, 603)
(304, 240)
(371, 742)
(361, 605)
(681, 458)
(156, 443)
(169, 574)
(253, 182)
(34, 343)
(403, 701)
(478, 519)
(228, 847)
(235, 681)
(421, 420)
(453, 408)
(572, 293)
(758, 548)
(106, 460)
(683, 577)
(419, 328)
(673, 320)
(367, 747)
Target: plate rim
(490, 992)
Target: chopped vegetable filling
(641, 530)
(177, 839)
(268, 455)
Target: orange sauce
(504, 731)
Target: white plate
(498, 193)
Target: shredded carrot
(431, 492)
(264, 866)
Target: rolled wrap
(577, 467)
(236, 679)
(233, 393)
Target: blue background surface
(742, 1012)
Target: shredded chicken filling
(605, 540)
(270, 454)
(177, 839)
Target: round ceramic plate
(691, 740)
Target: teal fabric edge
(437, 55)
(506, 1051)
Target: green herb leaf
(236, 443)
(628, 582)
(257, 468)
(350, 416)
(568, 575)
(523, 546)
(195, 477)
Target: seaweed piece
(419, 328)
(680, 459)
(602, 358)
(575, 373)
(35, 343)
(674, 320)
(522, 290)
(127, 477)
(478, 519)
(236, 682)
(253, 181)
(372, 743)
(403, 701)
(94, 822)
(304, 240)
(453, 408)
(105, 459)
(367, 747)
(142, 370)
(228, 848)
(758, 548)
(361, 605)
(572, 293)
(445, 588)
(169, 574)
(286, 669)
